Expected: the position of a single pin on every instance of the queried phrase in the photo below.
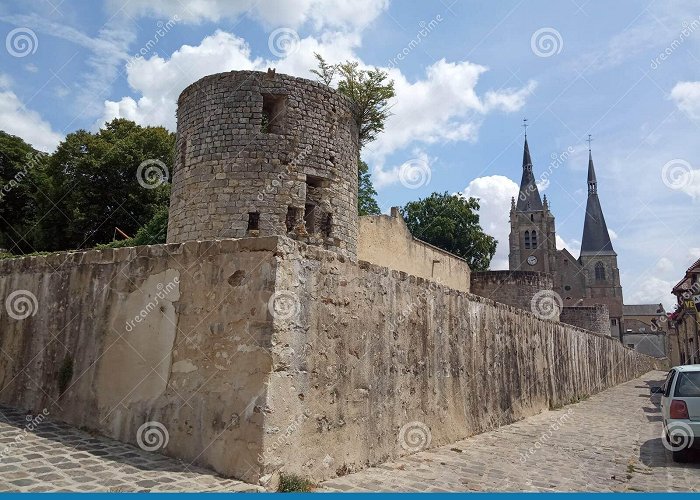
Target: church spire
(529, 197)
(596, 239)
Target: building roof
(596, 239)
(529, 196)
(685, 282)
(643, 310)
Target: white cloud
(494, 193)
(651, 291)
(664, 265)
(612, 234)
(694, 253)
(442, 107)
(417, 171)
(292, 13)
(17, 120)
(572, 246)
(687, 98)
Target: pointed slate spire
(529, 197)
(596, 239)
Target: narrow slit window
(253, 221)
(291, 219)
(273, 114)
(309, 218)
(527, 239)
(327, 225)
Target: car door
(666, 395)
(687, 388)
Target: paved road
(610, 442)
(59, 457)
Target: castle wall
(266, 354)
(261, 154)
(386, 241)
(594, 318)
(177, 334)
(374, 352)
(517, 289)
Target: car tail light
(679, 409)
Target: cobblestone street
(608, 442)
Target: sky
(466, 75)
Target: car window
(688, 384)
(669, 383)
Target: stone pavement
(610, 442)
(57, 457)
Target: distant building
(592, 279)
(685, 319)
(646, 329)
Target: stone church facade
(593, 278)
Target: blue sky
(467, 74)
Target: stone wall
(177, 334)
(594, 318)
(262, 154)
(265, 355)
(386, 241)
(517, 289)
(373, 352)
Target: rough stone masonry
(278, 351)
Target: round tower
(261, 154)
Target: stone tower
(532, 233)
(601, 278)
(262, 154)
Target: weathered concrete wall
(518, 289)
(372, 351)
(594, 318)
(177, 334)
(653, 344)
(265, 355)
(386, 241)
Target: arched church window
(527, 239)
(599, 271)
(534, 239)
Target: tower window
(532, 217)
(273, 113)
(527, 239)
(599, 271)
(310, 218)
(327, 225)
(291, 219)
(534, 239)
(253, 221)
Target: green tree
(155, 231)
(370, 91)
(366, 194)
(22, 178)
(451, 222)
(99, 181)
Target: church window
(534, 239)
(527, 239)
(599, 271)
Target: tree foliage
(370, 91)
(451, 222)
(366, 194)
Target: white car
(680, 410)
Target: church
(594, 277)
